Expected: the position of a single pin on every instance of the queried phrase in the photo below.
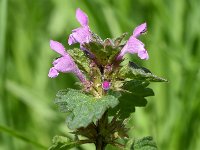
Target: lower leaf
(64, 143)
(83, 109)
(145, 143)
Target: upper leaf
(82, 109)
(80, 59)
(145, 143)
(133, 71)
(104, 53)
(133, 96)
(118, 40)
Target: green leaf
(133, 71)
(82, 109)
(104, 53)
(96, 38)
(145, 143)
(61, 143)
(64, 143)
(118, 40)
(80, 59)
(133, 96)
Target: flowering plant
(109, 91)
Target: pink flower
(135, 46)
(63, 64)
(82, 34)
(106, 85)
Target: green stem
(100, 145)
(100, 140)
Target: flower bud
(106, 85)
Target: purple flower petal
(80, 35)
(58, 47)
(71, 40)
(133, 46)
(143, 54)
(80, 75)
(140, 30)
(81, 17)
(64, 64)
(53, 73)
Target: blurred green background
(28, 117)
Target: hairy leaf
(118, 40)
(103, 53)
(64, 143)
(135, 72)
(82, 109)
(133, 96)
(146, 143)
(80, 59)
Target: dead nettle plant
(109, 90)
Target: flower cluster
(63, 64)
(111, 87)
(83, 35)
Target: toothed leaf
(146, 143)
(63, 143)
(82, 109)
(133, 96)
(135, 72)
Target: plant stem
(100, 140)
(100, 145)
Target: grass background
(28, 117)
